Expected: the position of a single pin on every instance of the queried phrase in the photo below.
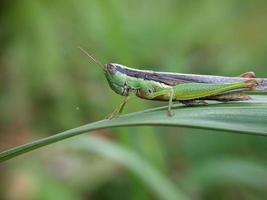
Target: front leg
(119, 109)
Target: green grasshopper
(189, 89)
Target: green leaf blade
(242, 117)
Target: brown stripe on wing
(168, 79)
(175, 79)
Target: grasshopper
(189, 89)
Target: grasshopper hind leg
(194, 102)
(231, 97)
(248, 75)
(221, 98)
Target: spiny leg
(119, 109)
(230, 97)
(194, 102)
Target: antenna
(92, 57)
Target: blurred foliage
(47, 85)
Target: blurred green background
(47, 85)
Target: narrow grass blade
(242, 117)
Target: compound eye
(111, 68)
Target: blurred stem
(161, 186)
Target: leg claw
(170, 113)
